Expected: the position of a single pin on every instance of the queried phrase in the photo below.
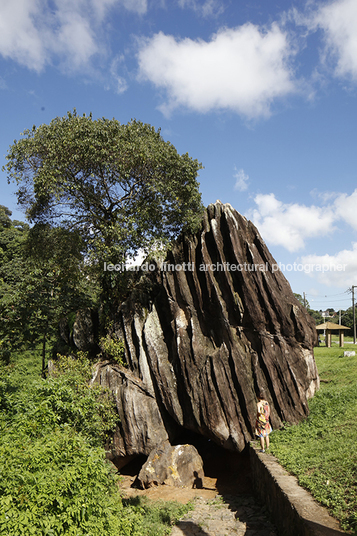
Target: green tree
(302, 300)
(316, 315)
(347, 320)
(13, 235)
(5, 220)
(42, 278)
(122, 187)
(56, 282)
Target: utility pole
(354, 314)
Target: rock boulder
(179, 466)
(84, 329)
(213, 324)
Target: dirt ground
(225, 504)
(226, 473)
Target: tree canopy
(42, 278)
(121, 186)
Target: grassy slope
(322, 450)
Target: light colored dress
(262, 425)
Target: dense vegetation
(93, 191)
(43, 278)
(321, 451)
(54, 480)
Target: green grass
(322, 450)
(335, 339)
(158, 516)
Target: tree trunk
(43, 374)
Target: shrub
(59, 485)
(65, 398)
(113, 349)
(54, 479)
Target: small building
(329, 327)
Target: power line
(324, 298)
(328, 298)
(328, 295)
(335, 301)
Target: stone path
(233, 515)
(225, 506)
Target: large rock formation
(83, 334)
(212, 325)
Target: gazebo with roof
(329, 327)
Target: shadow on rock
(233, 475)
(230, 469)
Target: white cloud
(289, 225)
(120, 84)
(346, 208)
(138, 6)
(35, 33)
(206, 8)
(20, 39)
(339, 22)
(243, 69)
(100, 7)
(325, 197)
(242, 179)
(339, 270)
(74, 40)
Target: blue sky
(264, 94)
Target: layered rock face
(213, 324)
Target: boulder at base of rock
(84, 329)
(179, 466)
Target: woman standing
(262, 425)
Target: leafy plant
(158, 516)
(54, 480)
(59, 484)
(113, 349)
